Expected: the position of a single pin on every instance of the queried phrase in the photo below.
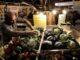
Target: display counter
(61, 54)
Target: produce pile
(56, 38)
(26, 46)
(23, 48)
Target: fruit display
(22, 48)
(54, 38)
(60, 39)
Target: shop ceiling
(36, 2)
(39, 4)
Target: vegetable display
(54, 38)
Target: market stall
(50, 37)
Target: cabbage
(71, 44)
(57, 30)
(63, 37)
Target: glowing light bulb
(64, 11)
(54, 11)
